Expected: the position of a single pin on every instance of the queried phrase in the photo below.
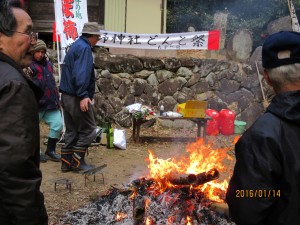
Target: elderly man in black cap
(265, 186)
(77, 86)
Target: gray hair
(287, 74)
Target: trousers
(54, 119)
(80, 126)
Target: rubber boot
(66, 160)
(50, 152)
(78, 163)
(42, 157)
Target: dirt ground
(123, 166)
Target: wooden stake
(261, 87)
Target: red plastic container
(212, 127)
(226, 122)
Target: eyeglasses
(33, 35)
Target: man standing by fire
(265, 186)
(77, 87)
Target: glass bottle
(110, 136)
(161, 110)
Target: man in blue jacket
(265, 186)
(77, 87)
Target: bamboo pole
(265, 101)
(261, 87)
(294, 19)
(290, 10)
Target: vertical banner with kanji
(70, 16)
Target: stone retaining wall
(125, 79)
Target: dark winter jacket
(265, 186)
(78, 76)
(44, 78)
(20, 177)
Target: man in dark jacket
(265, 186)
(77, 86)
(21, 201)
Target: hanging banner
(208, 40)
(70, 16)
(55, 36)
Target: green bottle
(110, 136)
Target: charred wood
(208, 176)
(182, 179)
(141, 185)
(138, 210)
(193, 179)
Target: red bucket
(212, 127)
(226, 122)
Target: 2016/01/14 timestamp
(258, 193)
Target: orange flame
(202, 158)
(134, 193)
(235, 140)
(188, 220)
(147, 202)
(149, 221)
(120, 216)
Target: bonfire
(182, 191)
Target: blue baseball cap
(282, 48)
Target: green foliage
(254, 15)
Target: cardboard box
(192, 108)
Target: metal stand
(93, 172)
(63, 181)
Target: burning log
(208, 176)
(173, 206)
(193, 179)
(182, 179)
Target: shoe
(52, 156)
(42, 158)
(50, 152)
(78, 163)
(66, 159)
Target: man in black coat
(21, 201)
(265, 186)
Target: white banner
(70, 16)
(191, 40)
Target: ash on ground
(141, 204)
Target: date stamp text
(257, 193)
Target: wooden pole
(290, 10)
(261, 87)
(294, 19)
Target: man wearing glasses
(21, 201)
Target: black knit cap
(281, 48)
